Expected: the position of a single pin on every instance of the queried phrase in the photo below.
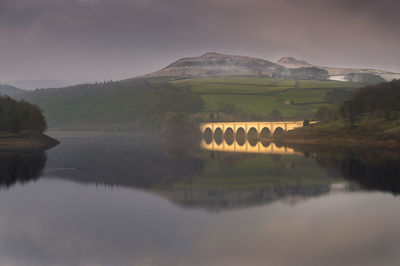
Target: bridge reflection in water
(247, 147)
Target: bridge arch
(265, 133)
(278, 131)
(229, 136)
(208, 135)
(252, 136)
(240, 136)
(252, 133)
(218, 135)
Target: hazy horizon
(96, 40)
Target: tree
(175, 119)
(211, 117)
(348, 111)
(275, 115)
(338, 96)
(228, 108)
(17, 116)
(390, 107)
(325, 113)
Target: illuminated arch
(208, 135)
(252, 136)
(278, 131)
(240, 136)
(265, 133)
(229, 136)
(218, 135)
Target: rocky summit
(291, 62)
(222, 65)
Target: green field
(262, 95)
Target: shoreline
(26, 141)
(342, 143)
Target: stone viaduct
(259, 129)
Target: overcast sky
(87, 40)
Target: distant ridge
(214, 64)
(38, 84)
(337, 73)
(223, 65)
(10, 90)
(291, 62)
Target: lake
(125, 200)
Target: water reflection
(209, 176)
(20, 167)
(200, 177)
(192, 177)
(370, 170)
(305, 197)
(250, 146)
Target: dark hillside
(138, 104)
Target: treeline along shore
(370, 118)
(21, 126)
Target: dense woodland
(381, 100)
(16, 116)
(139, 104)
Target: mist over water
(109, 200)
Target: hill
(10, 90)
(291, 62)
(212, 86)
(142, 104)
(139, 104)
(38, 84)
(222, 65)
(358, 75)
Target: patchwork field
(262, 95)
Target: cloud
(102, 39)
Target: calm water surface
(103, 200)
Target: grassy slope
(369, 131)
(262, 95)
(366, 126)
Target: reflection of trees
(20, 167)
(372, 171)
(217, 200)
(130, 162)
(275, 157)
(181, 146)
(226, 159)
(160, 166)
